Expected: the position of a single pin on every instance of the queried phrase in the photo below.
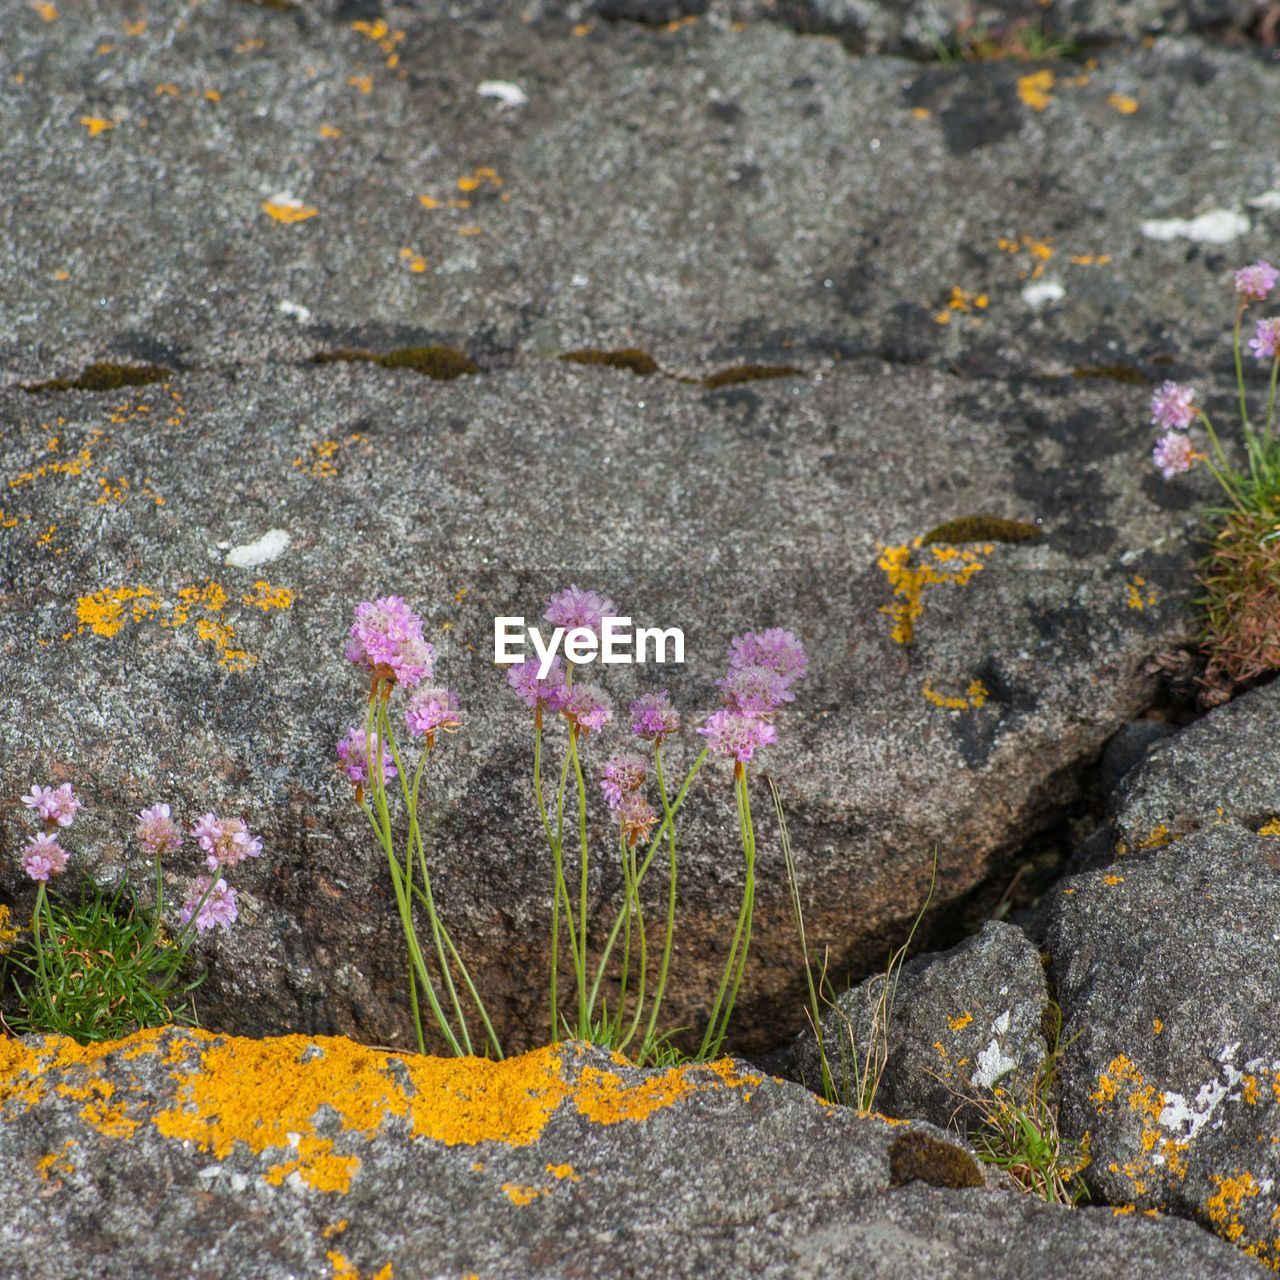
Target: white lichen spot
(509, 95)
(1267, 201)
(1040, 293)
(295, 310)
(1187, 1119)
(1218, 226)
(993, 1064)
(271, 546)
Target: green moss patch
(105, 377)
(750, 373)
(641, 363)
(982, 528)
(440, 363)
(916, 1157)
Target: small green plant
(99, 969)
(1017, 1129)
(1022, 40)
(1242, 600)
(107, 964)
(852, 1060)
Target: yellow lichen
(1036, 89)
(520, 1195)
(975, 696)
(1122, 103)
(1139, 595)
(1271, 828)
(1157, 838)
(266, 597)
(288, 211)
(959, 1023)
(909, 581)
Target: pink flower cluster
(43, 858)
(1265, 344)
(624, 776)
(431, 711)
(1173, 409)
(576, 609)
(1254, 283)
(386, 638)
(212, 904)
(226, 842)
(353, 758)
(762, 668)
(653, 718)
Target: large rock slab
(1166, 967)
(183, 1153)
(710, 193)
(793, 502)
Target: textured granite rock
(1166, 966)
(711, 194)
(962, 1023)
(177, 1153)
(710, 510)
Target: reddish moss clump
(1242, 605)
(981, 529)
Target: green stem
(1271, 397)
(580, 956)
(644, 958)
(667, 821)
(555, 874)
(626, 933)
(665, 964)
(719, 1018)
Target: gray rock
(1128, 749)
(713, 195)
(1166, 967)
(1223, 768)
(180, 1154)
(710, 510)
(962, 1023)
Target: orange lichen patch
(364, 83)
(1223, 1207)
(110, 1120)
(921, 113)
(1271, 828)
(9, 932)
(1113, 880)
(910, 581)
(1122, 103)
(1156, 1026)
(330, 131)
(168, 91)
(563, 1171)
(346, 1270)
(1036, 89)
(97, 125)
(963, 302)
(959, 1023)
(1123, 1210)
(1157, 839)
(1139, 595)
(580, 29)
(104, 612)
(521, 1195)
(288, 211)
(317, 1166)
(212, 95)
(319, 461)
(56, 1162)
(335, 1228)
(415, 261)
(1090, 259)
(135, 28)
(975, 695)
(603, 1096)
(429, 202)
(49, 12)
(266, 597)
(479, 177)
(470, 231)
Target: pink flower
(387, 634)
(1173, 407)
(573, 607)
(755, 692)
(653, 717)
(1255, 282)
(157, 831)
(550, 692)
(1265, 344)
(226, 841)
(44, 857)
(625, 773)
(775, 648)
(636, 816)
(353, 758)
(1173, 453)
(432, 711)
(54, 804)
(219, 908)
(737, 736)
(588, 706)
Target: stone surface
(177, 1153)
(1222, 768)
(961, 1023)
(963, 740)
(714, 196)
(1165, 966)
